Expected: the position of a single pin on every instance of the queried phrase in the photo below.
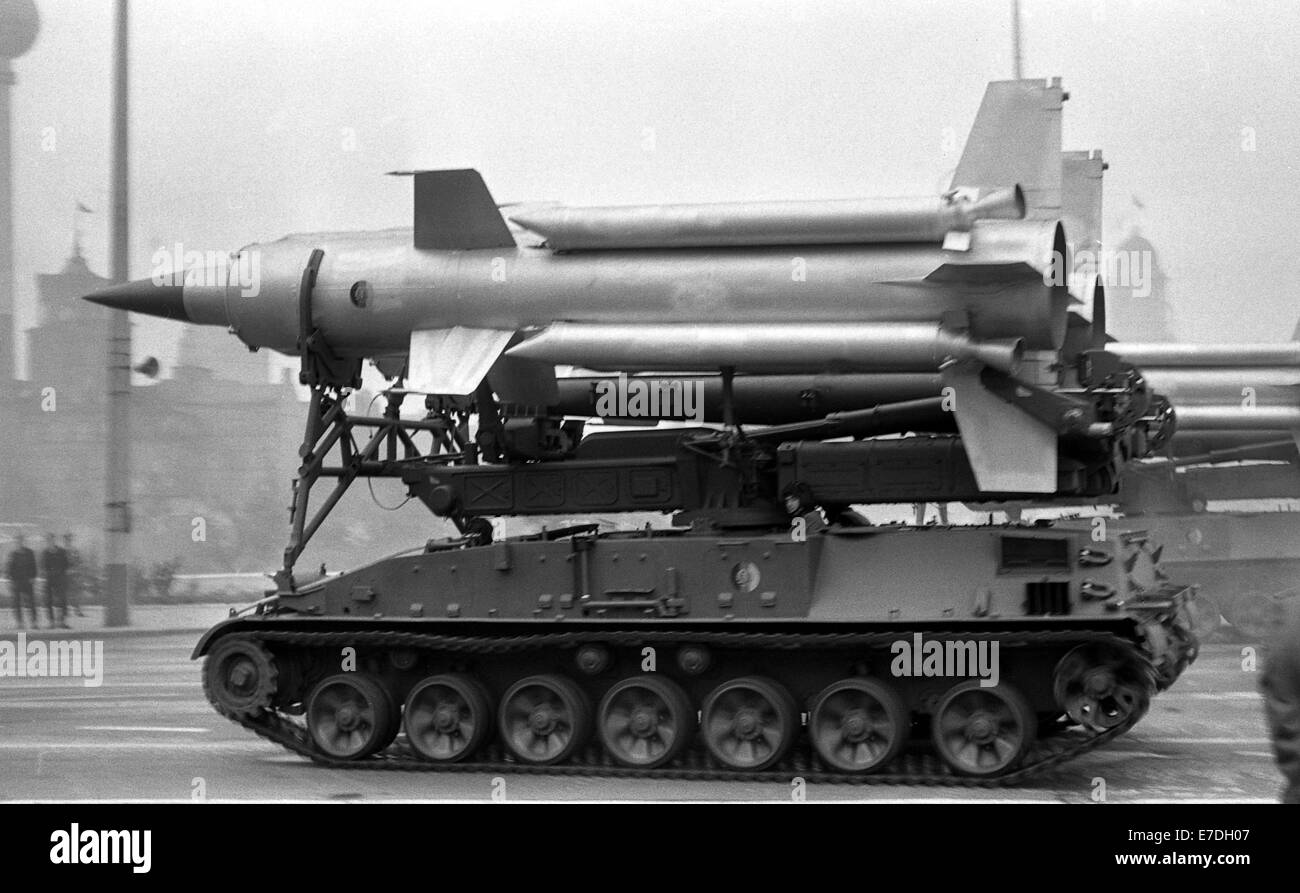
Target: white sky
(254, 119)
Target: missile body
(854, 221)
(963, 286)
(1233, 402)
(987, 261)
(758, 399)
(904, 347)
(1224, 387)
(1266, 384)
(373, 291)
(1238, 418)
(1206, 356)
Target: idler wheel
(1101, 687)
(749, 723)
(240, 676)
(982, 731)
(350, 716)
(544, 719)
(645, 721)
(858, 725)
(447, 717)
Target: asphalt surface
(147, 733)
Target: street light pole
(117, 524)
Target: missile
(789, 347)
(1233, 402)
(1260, 385)
(1201, 356)
(374, 293)
(972, 280)
(1238, 418)
(756, 399)
(850, 221)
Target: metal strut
(386, 446)
(331, 379)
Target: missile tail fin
(1016, 138)
(1081, 199)
(455, 211)
(1009, 450)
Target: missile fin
(980, 274)
(1016, 138)
(455, 211)
(390, 366)
(453, 361)
(1009, 451)
(1081, 199)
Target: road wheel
(858, 725)
(544, 720)
(350, 716)
(749, 723)
(447, 717)
(982, 731)
(645, 721)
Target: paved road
(147, 733)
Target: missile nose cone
(144, 296)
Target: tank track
(1048, 753)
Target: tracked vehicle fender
(224, 628)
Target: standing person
(1280, 684)
(22, 571)
(74, 576)
(54, 564)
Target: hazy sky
(254, 119)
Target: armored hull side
(879, 654)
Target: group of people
(56, 565)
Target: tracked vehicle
(770, 631)
(862, 351)
(714, 653)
